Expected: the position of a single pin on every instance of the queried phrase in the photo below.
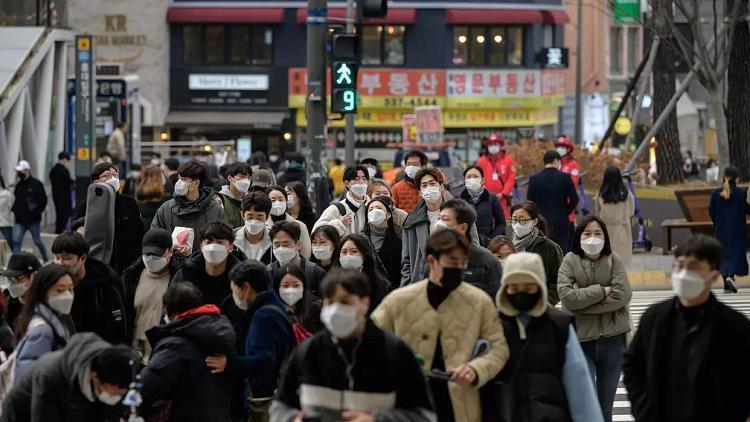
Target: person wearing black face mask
(443, 319)
(547, 370)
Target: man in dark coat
(31, 200)
(84, 382)
(61, 181)
(98, 305)
(555, 195)
(677, 367)
(295, 170)
(177, 370)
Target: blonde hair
(731, 174)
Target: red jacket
(571, 166)
(499, 176)
(405, 195)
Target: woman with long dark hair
(45, 324)
(299, 205)
(290, 285)
(380, 228)
(280, 212)
(356, 253)
(530, 235)
(728, 207)
(325, 245)
(615, 205)
(150, 194)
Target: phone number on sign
(397, 102)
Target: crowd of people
(202, 298)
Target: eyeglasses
(521, 220)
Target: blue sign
(84, 56)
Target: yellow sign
(364, 119)
(84, 44)
(622, 126)
(83, 153)
(504, 102)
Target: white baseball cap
(23, 165)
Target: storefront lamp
(287, 136)
(164, 136)
(207, 148)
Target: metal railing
(49, 13)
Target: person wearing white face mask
(252, 239)
(290, 285)
(490, 213)
(45, 320)
(681, 346)
(238, 175)
(325, 240)
(350, 343)
(145, 283)
(285, 237)
(406, 193)
(348, 215)
(384, 236)
(278, 197)
(357, 254)
(16, 278)
(593, 285)
(209, 270)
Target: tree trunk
(738, 102)
(668, 155)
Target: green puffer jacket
(581, 284)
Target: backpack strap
(391, 354)
(340, 207)
(309, 271)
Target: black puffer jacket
(51, 390)
(177, 370)
(98, 306)
(214, 289)
(31, 200)
(490, 216)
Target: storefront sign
(409, 128)
(429, 124)
(553, 58)
(228, 82)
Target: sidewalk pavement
(650, 271)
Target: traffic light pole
(349, 131)
(317, 28)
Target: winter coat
(484, 270)
(718, 384)
(46, 333)
(177, 370)
(597, 315)
(730, 227)
(390, 256)
(128, 234)
(51, 389)
(552, 258)
(232, 207)
(31, 200)
(195, 215)
(116, 144)
(618, 217)
(61, 183)
(490, 215)
(331, 215)
(6, 204)
(214, 289)
(7, 339)
(406, 195)
(292, 175)
(466, 315)
(98, 305)
(554, 193)
(307, 217)
(386, 379)
(148, 210)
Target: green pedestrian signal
(344, 101)
(344, 87)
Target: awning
(395, 16)
(225, 15)
(489, 16)
(262, 119)
(555, 16)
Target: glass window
(460, 45)
(371, 44)
(615, 50)
(549, 36)
(239, 38)
(633, 49)
(515, 45)
(192, 41)
(477, 43)
(497, 43)
(394, 45)
(214, 44)
(262, 45)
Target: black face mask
(524, 301)
(452, 277)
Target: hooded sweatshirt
(196, 215)
(98, 305)
(232, 207)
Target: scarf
(377, 236)
(521, 244)
(475, 195)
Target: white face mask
(351, 262)
(522, 230)
(284, 255)
(61, 303)
(411, 171)
(687, 285)
(278, 208)
(372, 172)
(215, 253)
(431, 194)
(17, 289)
(441, 225)
(376, 216)
(562, 151)
(339, 319)
(114, 182)
(108, 399)
(473, 184)
(241, 304)
(242, 185)
(180, 188)
(154, 264)
(254, 226)
(359, 189)
(155, 162)
(291, 295)
(322, 253)
(290, 200)
(592, 246)
(493, 149)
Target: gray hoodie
(195, 215)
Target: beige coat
(618, 217)
(466, 316)
(116, 144)
(581, 284)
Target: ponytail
(731, 174)
(726, 189)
